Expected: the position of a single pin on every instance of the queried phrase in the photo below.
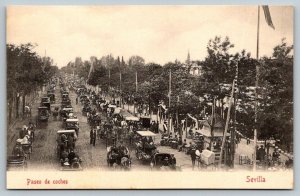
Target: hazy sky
(157, 33)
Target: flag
(91, 70)
(92, 67)
(268, 16)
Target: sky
(159, 34)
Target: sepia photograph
(150, 97)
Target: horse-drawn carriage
(86, 109)
(66, 154)
(45, 102)
(64, 94)
(71, 164)
(65, 111)
(118, 156)
(164, 161)
(110, 109)
(16, 162)
(72, 124)
(50, 90)
(84, 99)
(94, 120)
(43, 114)
(65, 102)
(20, 153)
(52, 97)
(145, 122)
(145, 147)
(55, 113)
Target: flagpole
(256, 93)
(108, 79)
(226, 125)
(136, 82)
(120, 89)
(169, 123)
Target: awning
(206, 133)
(117, 110)
(146, 133)
(72, 120)
(132, 118)
(66, 131)
(125, 113)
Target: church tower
(188, 59)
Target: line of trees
(26, 74)
(191, 94)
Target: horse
(27, 111)
(125, 162)
(112, 158)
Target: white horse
(27, 111)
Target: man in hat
(93, 135)
(122, 149)
(173, 160)
(64, 157)
(71, 156)
(25, 140)
(276, 154)
(31, 128)
(63, 138)
(193, 155)
(23, 132)
(183, 145)
(166, 161)
(261, 153)
(18, 150)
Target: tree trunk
(10, 110)
(222, 109)
(186, 132)
(157, 115)
(177, 120)
(17, 105)
(23, 102)
(212, 124)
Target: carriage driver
(122, 149)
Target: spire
(188, 59)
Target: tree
(26, 72)
(276, 110)
(219, 69)
(136, 62)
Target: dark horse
(114, 157)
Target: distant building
(196, 69)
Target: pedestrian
(248, 141)
(114, 137)
(23, 132)
(276, 154)
(183, 145)
(261, 153)
(76, 100)
(32, 129)
(193, 156)
(93, 136)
